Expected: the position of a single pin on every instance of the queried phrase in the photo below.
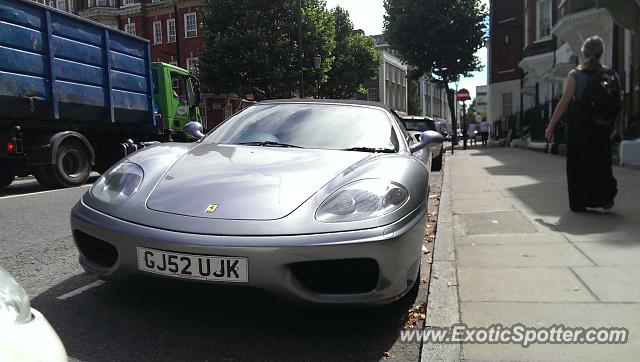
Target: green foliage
(356, 60)
(438, 37)
(252, 45)
(414, 97)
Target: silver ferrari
(319, 201)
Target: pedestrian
(472, 132)
(484, 131)
(594, 104)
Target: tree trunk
(451, 99)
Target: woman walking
(589, 174)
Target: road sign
(463, 95)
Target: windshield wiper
(371, 149)
(269, 143)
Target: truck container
(76, 95)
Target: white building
(433, 101)
(482, 99)
(390, 86)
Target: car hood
(246, 182)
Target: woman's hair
(592, 50)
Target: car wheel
(436, 163)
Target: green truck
(76, 96)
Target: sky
(368, 15)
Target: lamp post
(300, 54)
(317, 64)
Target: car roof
(416, 118)
(354, 102)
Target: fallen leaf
(526, 255)
(449, 284)
(386, 354)
(575, 289)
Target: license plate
(191, 266)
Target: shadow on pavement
(145, 319)
(541, 190)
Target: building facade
(482, 101)
(390, 85)
(173, 27)
(505, 51)
(542, 38)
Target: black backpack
(601, 102)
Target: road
(150, 320)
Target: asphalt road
(150, 320)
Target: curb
(443, 301)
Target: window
(507, 104)
(190, 25)
(543, 19)
(72, 7)
(101, 2)
(171, 31)
(192, 64)
(112, 2)
(60, 5)
(157, 32)
(372, 95)
(128, 2)
(130, 28)
(90, 3)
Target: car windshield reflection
(304, 125)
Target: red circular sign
(463, 95)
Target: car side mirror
(194, 129)
(427, 138)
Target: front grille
(97, 251)
(345, 276)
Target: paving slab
(545, 315)
(475, 205)
(623, 253)
(500, 222)
(612, 283)
(521, 255)
(541, 284)
(499, 239)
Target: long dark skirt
(589, 174)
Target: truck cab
(177, 95)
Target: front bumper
(395, 248)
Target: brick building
(173, 27)
(505, 51)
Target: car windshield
(420, 126)
(319, 126)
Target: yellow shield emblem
(211, 208)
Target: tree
(438, 37)
(414, 93)
(252, 45)
(356, 60)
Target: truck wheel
(6, 177)
(44, 177)
(436, 163)
(71, 167)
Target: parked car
(313, 200)
(420, 124)
(25, 334)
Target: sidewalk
(508, 250)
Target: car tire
(71, 168)
(6, 177)
(436, 163)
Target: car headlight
(361, 200)
(119, 184)
(14, 302)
